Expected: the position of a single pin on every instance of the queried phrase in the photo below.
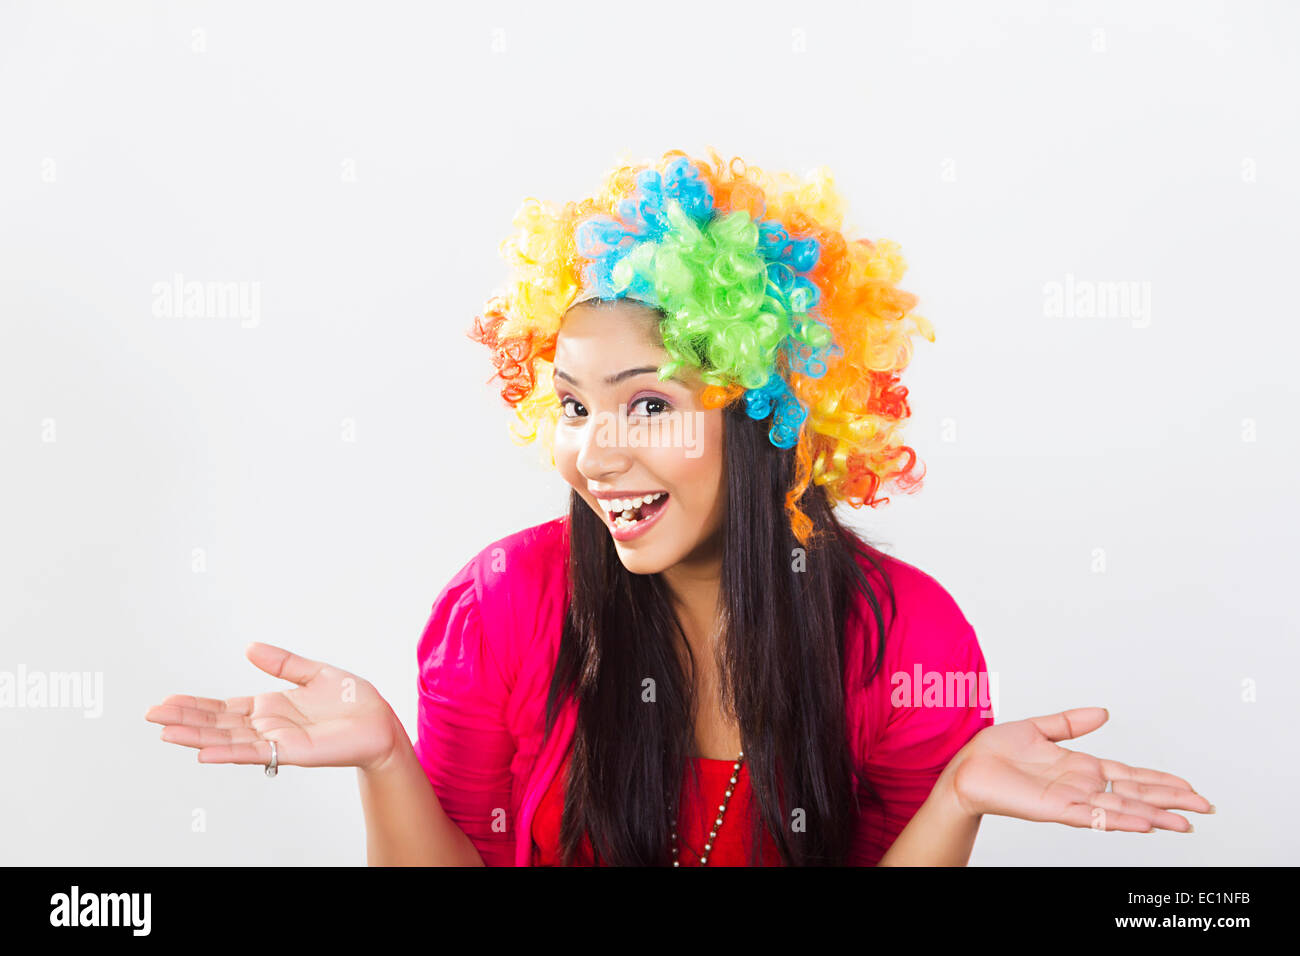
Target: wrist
(385, 762)
(950, 790)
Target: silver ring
(1108, 789)
(271, 770)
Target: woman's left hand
(1017, 770)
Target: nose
(600, 455)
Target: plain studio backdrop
(1098, 203)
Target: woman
(698, 664)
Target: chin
(639, 562)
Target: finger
(264, 725)
(258, 751)
(281, 663)
(207, 736)
(235, 705)
(239, 705)
(171, 714)
(1071, 723)
(1098, 818)
(1117, 803)
(1167, 798)
(1115, 770)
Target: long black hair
(781, 656)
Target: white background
(1110, 499)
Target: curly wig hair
(758, 288)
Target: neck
(696, 587)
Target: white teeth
(622, 509)
(618, 505)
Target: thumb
(1071, 723)
(281, 663)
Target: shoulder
(933, 690)
(923, 623)
(509, 591)
(522, 567)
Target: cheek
(697, 474)
(566, 461)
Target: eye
(655, 400)
(564, 404)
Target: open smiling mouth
(626, 514)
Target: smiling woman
(692, 626)
(683, 299)
(695, 664)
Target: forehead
(592, 329)
(599, 338)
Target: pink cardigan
(485, 664)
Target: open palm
(331, 719)
(1018, 770)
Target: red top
(698, 815)
(487, 658)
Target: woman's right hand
(331, 719)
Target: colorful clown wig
(762, 293)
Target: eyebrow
(618, 376)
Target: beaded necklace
(722, 811)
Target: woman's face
(623, 434)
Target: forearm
(405, 824)
(942, 833)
